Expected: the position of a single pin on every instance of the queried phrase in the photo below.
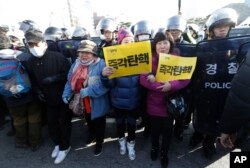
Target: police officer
(194, 30)
(176, 25)
(66, 34)
(106, 27)
(53, 33)
(143, 30)
(208, 110)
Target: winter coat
(237, 108)
(51, 64)
(156, 103)
(23, 98)
(125, 92)
(95, 90)
(104, 44)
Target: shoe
(195, 139)
(55, 151)
(98, 149)
(164, 159)
(21, 145)
(122, 144)
(209, 150)
(154, 154)
(61, 155)
(131, 150)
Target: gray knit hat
(34, 36)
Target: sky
(55, 13)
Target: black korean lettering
(113, 63)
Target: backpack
(14, 80)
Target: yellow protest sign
(129, 59)
(172, 67)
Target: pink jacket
(156, 103)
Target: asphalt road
(80, 156)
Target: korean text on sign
(172, 67)
(129, 59)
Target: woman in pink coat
(162, 123)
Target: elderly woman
(84, 78)
(161, 121)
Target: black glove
(41, 97)
(49, 80)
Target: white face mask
(143, 37)
(39, 51)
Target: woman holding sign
(161, 122)
(125, 98)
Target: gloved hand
(49, 80)
(41, 97)
(66, 100)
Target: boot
(164, 159)
(21, 134)
(35, 137)
(122, 143)
(131, 150)
(209, 147)
(195, 139)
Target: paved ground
(180, 155)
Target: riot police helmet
(28, 25)
(143, 30)
(223, 16)
(81, 33)
(66, 33)
(176, 22)
(106, 24)
(53, 33)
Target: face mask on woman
(38, 51)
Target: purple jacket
(156, 103)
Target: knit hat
(4, 41)
(87, 46)
(34, 36)
(122, 33)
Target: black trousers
(161, 126)
(3, 111)
(59, 124)
(96, 127)
(126, 121)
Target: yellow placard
(172, 67)
(129, 59)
